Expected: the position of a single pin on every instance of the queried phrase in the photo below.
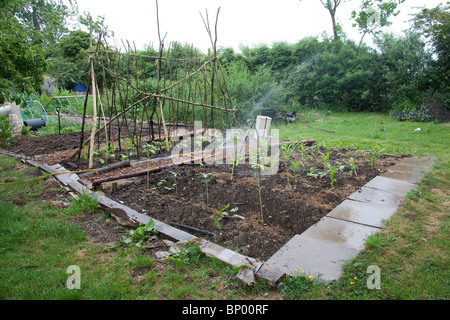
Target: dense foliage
(22, 60)
(339, 74)
(333, 73)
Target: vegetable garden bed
(236, 207)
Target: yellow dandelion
(351, 283)
(356, 278)
(296, 270)
(303, 271)
(309, 276)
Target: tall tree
(374, 15)
(435, 26)
(22, 61)
(331, 6)
(48, 17)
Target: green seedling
(376, 154)
(325, 161)
(332, 173)
(287, 150)
(160, 183)
(205, 177)
(353, 166)
(222, 214)
(175, 176)
(302, 148)
(295, 166)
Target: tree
(331, 6)
(435, 26)
(22, 60)
(69, 64)
(48, 17)
(374, 15)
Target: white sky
(241, 22)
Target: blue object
(79, 87)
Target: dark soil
(439, 111)
(285, 212)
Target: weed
(415, 193)
(6, 135)
(142, 234)
(190, 254)
(374, 241)
(300, 283)
(83, 203)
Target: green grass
(362, 130)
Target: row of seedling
(307, 164)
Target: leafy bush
(419, 115)
(6, 135)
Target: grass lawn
(39, 240)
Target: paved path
(339, 236)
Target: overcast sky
(241, 22)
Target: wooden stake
(164, 125)
(94, 118)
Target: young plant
(325, 160)
(205, 177)
(376, 154)
(302, 147)
(160, 183)
(313, 174)
(222, 214)
(353, 166)
(295, 166)
(258, 168)
(175, 184)
(142, 234)
(332, 173)
(235, 163)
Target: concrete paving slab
(376, 197)
(425, 162)
(322, 249)
(391, 185)
(404, 176)
(401, 167)
(318, 258)
(363, 213)
(344, 233)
